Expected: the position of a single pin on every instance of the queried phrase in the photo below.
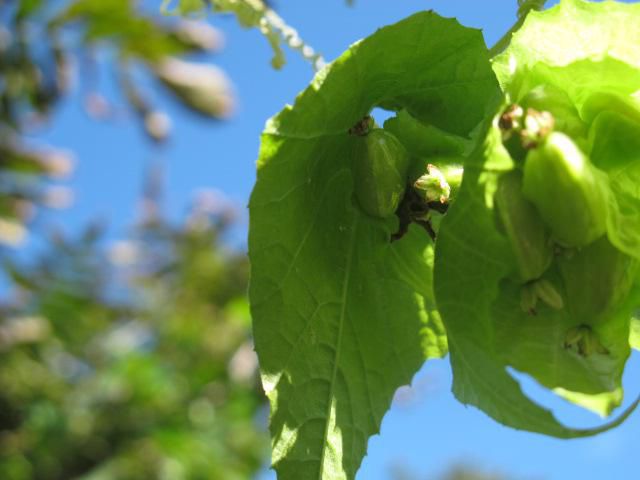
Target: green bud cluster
(433, 185)
(554, 206)
(584, 341)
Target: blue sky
(429, 429)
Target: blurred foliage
(45, 46)
(252, 14)
(462, 471)
(134, 362)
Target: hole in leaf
(380, 115)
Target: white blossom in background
(204, 88)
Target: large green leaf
(635, 334)
(582, 48)
(342, 317)
(571, 31)
(585, 48)
(487, 329)
(578, 48)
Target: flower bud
(433, 186)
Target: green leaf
(124, 25)
(425, 140)
(183, 7)
(572, 31)
(634, 338)
(342, 317)
(579, 49)
(602, 403)
(486, 325)
(427, 143)
(614, 141)
(585, 48)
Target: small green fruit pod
(584, 341)
(525, 229)
(543, 290)
(547, 292)
(380, 169)
(570, 194)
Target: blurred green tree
(44, 44)
(143, 370)
(133, 363)
(43, 47)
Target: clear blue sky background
(426, 431)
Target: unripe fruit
(527, 233)
(547, 292)
(380, 170)
(596, 279)
(584, 341)
(570, 194)
(543, 290)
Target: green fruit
(527, 233)
(547, 292)
(380, 170)
(528, 299)
(570, 194)
(596, 280)
(584, 341)
(543, 290)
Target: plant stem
(524, 7)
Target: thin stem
(524, 7)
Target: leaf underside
(579, 47)
(342, 317)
